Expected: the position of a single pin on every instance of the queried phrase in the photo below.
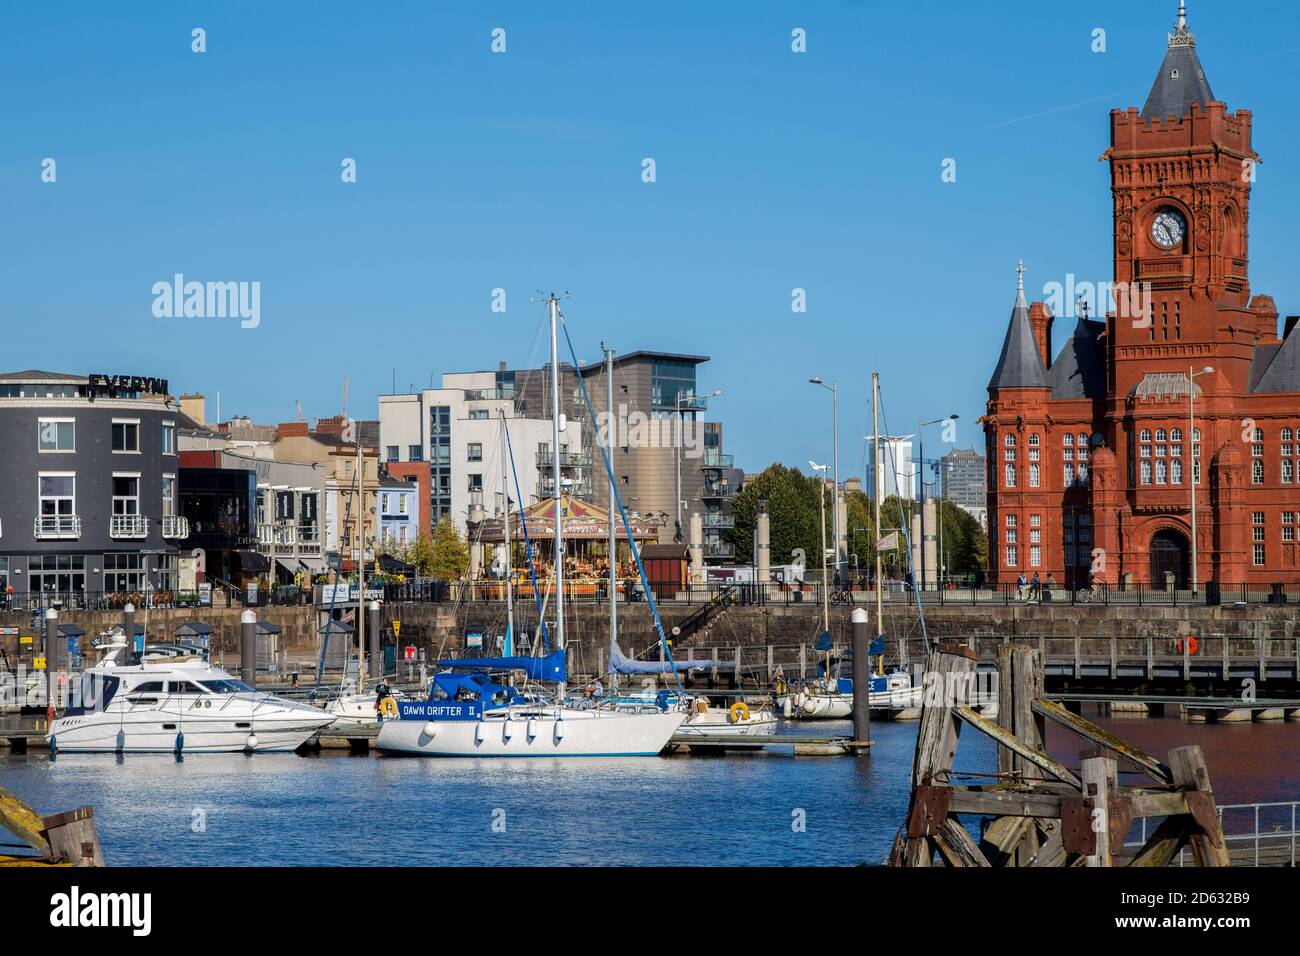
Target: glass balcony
(715, 459)
(57, 526)
(568, 459)
(128, 526)
(175, 526)
(718, 489)
(720, 549)
(719, 521)
(577, 489)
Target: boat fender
(180, 742)
(809, 706)
(430, 729)
(121, 741)
(787, 708)
(480, 732)
(532, 727)
(251, 742)
(799, 699)
(559, 730)
(54, 745)
(507, 729)
(738, 711)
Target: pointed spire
(1019, 366)
(1181, 81)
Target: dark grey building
(88, 514)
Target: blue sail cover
(549, 668)
(625, 665)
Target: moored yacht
(176, 704)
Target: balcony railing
(489, 394)
(175, 526)
(308, 539)
(58, 526)
(568, 459)
(719, 521)
(128, 526)
(578, 489)
(265, 535)
(720, 549)
(714, 459)
(718, 489)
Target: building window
(414, 453)
(123, 572)
(1259, 555)
(56, 435)
(1011, 475)
(126, 436)
(1009, 440)
(1035, 556)
(1012, 556)
(1287, 471)
(58, 494)
(474, 451)
(401, 507)
(126, 494)
(390, 453)
(1257, 472)
(169, 438)
(1175, 472)
(475, 482)
(1033, 475)
(169, 495)
(1162, 473)
(478, 414)
(1011, 521)
(1069, 474)
(1012, 535)
(384, 505)
(1146, 472)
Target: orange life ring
(1191, 644)
(738, 711)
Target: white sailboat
(474, 716)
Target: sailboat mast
(876, 482)
(610, 425)
(505, 525)
(555, 469)
(360, 614)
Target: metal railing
(718, 489)
(578, 489)
(57, 526)
(175, 526)
(714, 459)
(128, 526)
(1257, 834)
(719, 521)
(568, 459)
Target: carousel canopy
(582, 521)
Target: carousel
(586, 545)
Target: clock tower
(1181, 175)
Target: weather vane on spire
(1181, 36)
(1020, 275)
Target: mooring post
(128, 624)
(53, 660)
(861, 678)
(373, 638)
(803, 660)
(248, 648)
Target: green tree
(446, 556)
(793, 517)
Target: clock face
(1168, 228)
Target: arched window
(1009, 441)
(1286, 434)
(1259, 434)
(1068, 440)
(1175, 472)
(1146, 472)
(1011, 475)
(1033, 475)
(1287, 472)
(1082, 439)
(1160, 435)
(1176, 435)
(1145, 435)
(1162, 473)
(1033, 441)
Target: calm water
(737, 810)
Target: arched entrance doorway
(1170, 554)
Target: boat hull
(106, 733)
(761, 724)
(533, 733)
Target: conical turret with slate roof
(1019, 366)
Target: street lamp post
(681, 428)
(920, 467)
(837, 512)
(1191, 457)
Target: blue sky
(522, 171)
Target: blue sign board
(440, 709)
(74, 651)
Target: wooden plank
(956, 846)
(1039, 759)
(1099, 782)
(1163, 844)
(1052, 850)
(1002, 803)
(73, 838)
(1020, 682)
(24, 822)
(1158, 804)
(1003, 837)
(1206, 836)
(1104, 738)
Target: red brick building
(1091, 451)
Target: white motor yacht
(176, 704)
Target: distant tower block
(763, 548)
